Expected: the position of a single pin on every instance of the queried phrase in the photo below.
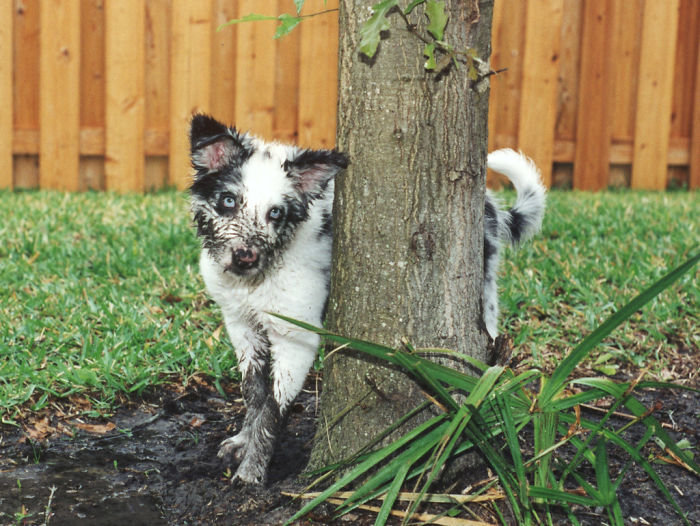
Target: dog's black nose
(246, 257)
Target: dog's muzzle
(245, 258)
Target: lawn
(100, 294)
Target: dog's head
(249, 197)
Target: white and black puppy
(263, 213)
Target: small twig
(622, 415)
(47, 512)
(339, 498)
(443, 498)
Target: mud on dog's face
(249, 196)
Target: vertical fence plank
(125, 120)
(287, 74)
(318, 86)
(92, 62)
(592, 157)
(538, 102)
(190, 77)
(508, 39)
(25, 64)
(496, 52)
(654, 95)
(694, 179)
(59, 95)
(92, 93)
(684, 86)
(255, 69)
(6, 124)
(570, 63)
(223, 62)
(624, 55)
(157, 79)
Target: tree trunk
(407, 258)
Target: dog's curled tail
(524, 219)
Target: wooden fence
(98, 93)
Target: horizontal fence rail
(97, 94)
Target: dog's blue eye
(228, 201)
(275, 213)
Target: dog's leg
(260, 443)
(291, 361)
(253, 353)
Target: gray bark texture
(407, 257)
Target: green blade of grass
(513, 444)
(606, 489)
(602, 473)
(556, 382)
(391, 495)
(638, 410)
(636, 456)
(415, 448)
(361, 455)
(538, 492)
(371, 461)
(476, 398)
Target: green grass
(596, 251)
(100, 293)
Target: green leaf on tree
(370, 32)
(412, 5)
(287, 23)
(429, 53)
(299, 4)
(435, 11)
(251, 17)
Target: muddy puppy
(263, 214)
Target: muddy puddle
(157, 465)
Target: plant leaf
(391, 495)
(250, 17)
(370, 32)
(287, 23)
(299, 4)
(412, 5)
(435, 11)
(429, 52)
(561, 496)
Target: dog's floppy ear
(214, 145)
(311, 170)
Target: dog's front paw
(249, 473)
(234, 446)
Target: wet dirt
(158, 466)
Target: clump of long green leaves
(498, 406)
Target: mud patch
(158, 466)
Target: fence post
(255, 79)
(594, 121)
(318, 86)
(538, 103)
(190, 78)
(125, 90)
(6, 101)
(655, 94)
(694, 179)
(59, 95)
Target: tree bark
(407, 258)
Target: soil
(154, 463)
